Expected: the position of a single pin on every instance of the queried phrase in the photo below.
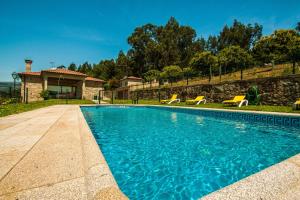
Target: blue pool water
(164, 154)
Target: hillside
(256, 72)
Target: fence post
(26, 96)
(67, 97)
(10, 92)
(99, 97)
(158, 94)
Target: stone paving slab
(50, 153)
(68, 190)
(19, 138)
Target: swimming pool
(165, 153)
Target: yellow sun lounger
(169, 101)
(237, 100)
(296, 105)
(197, 100)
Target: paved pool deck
(50, 153)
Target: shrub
(5, 101)
(286, 72)
(45, 94)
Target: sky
(65, 31)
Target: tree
(107, 69)
(212, 44)
(112, 85)
(264, 51)
(282, 40)
(236, 57)
(294, 51)
(188, 72)
(153, 47)
(222, 63)
(85, 68)
(204, 62)
(152, 75)
(171, 73)
(185, 41)
(275, 47)
(298, 27)
(61, 67)
(141, 40)
(122, 62)
(240, 34)
(199, 45)
(72, 67)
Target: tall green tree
(204, 62)
(240, 34)
(85, 68)
(236, 57)
(171, 73)
(72, 67)
(141, 40)
(153, 47)
(175, 43)
(199, 45)
(122, 62)
(107, 70)
(298, 27)
(212, 44)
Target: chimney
(28, 65)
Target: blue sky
(65, 31)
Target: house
(127, 84)
(61, 83)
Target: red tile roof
(93, 79)
(30, 73)
(64, 71)
(61, 71)
(132, 78)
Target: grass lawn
(10, 109)
(285, 109)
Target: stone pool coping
(279, 181)
(50, 153)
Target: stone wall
(35, 87)
(275, 91)
(92, 89)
